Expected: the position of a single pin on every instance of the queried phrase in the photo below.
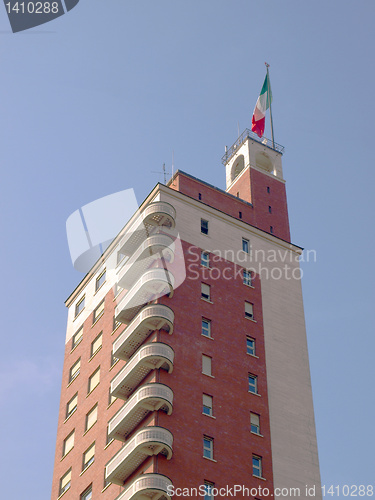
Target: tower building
(186, 367)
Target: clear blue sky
(94, 101)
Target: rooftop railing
(248, 134)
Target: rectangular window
(204, 226)
(87, 494)
(208, 447)
(270, 209)
(240, 215)
(91, 417)
(271, 229)
(208, 490)
(88, 457)
(205, 291)
(207, 405)
(249, 310)
(247, 278)
(77, 337)
(257, 466)
(79, 306)
(72, 405)
(74, 370)
(94, 380)
(96, 344)
(245, 245)
(199, 196)
(255, 423)
(205, 259)
(250, 346)
(100, 280)
(206, 365)
(206, 327)
(253, 384)
(99, 311)
(68, 444)
(268, 189)
(65, 482)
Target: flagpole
(269, 97)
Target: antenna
(172, 163)
(165, 173)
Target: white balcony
(148, 486)
(147, 442)
(149, 357)
(152, 285)
(157, 215)
(149, 319)
(153, 248)
(148, 398)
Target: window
(268, 189)
(205, 291)
(253, 384)
(257, 466)
(208, 447)
(72, 405)
(77, 337)
(68, 444)
(249, 310)
(116, 324)
(87, 494)
(247, 278)
(98, 311)
(65, 482)
(208, 490)
(91, 417)
(270, 209)
(206, 327)
(111, 398)
(240, 215)
(79, 306)
(205, 259)
(271, 229)
(199, 196)
(88, 457)
(207, 405)
(74, 371)
(245, 245)
(100, 280)
(238, 194)
(250, 346)
(255, 423)
(94, 380)
(96, 344)
(204, 226)
(206, 365)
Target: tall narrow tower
(186, 367)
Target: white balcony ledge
(148, 398)
(148, 486)
(149, 357)
(156, 215)
(152, 285)
(149, 319)
(147, 442)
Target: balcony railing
(147, 442)
(153, 284)
(153, 486)
(148, 398)
(158, 214)
(154, 247)
(150, 318)
(248, 134)
(149, 357)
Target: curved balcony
(149, 357)
(152, 486)
(154, 247)
(148, 398)
(147, 442)
(149, 319)
(152, 285)
(158, 214)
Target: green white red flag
(263, 103)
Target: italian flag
(263, 103)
